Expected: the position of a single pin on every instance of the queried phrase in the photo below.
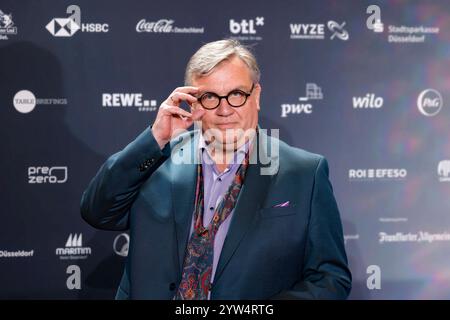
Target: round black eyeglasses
(236, 99)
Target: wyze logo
(368, 101)
(307, 31)
(41, 175)
(73, 281)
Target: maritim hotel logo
(74, 248)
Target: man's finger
(178, 111)
(177, 97)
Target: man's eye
(208, 96)
(236, 93)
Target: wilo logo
(374, 280)
(67, 27)
(313, 92)
(374, 20)
(444, 170)
(369, 101)
(73, 281)
(50, 175)
(74, 248)
(429, 102)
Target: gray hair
(211, 54)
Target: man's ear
(257, 92)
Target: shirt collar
(241, 150)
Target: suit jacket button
(172, 286)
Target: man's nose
(224, 109)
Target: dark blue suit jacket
(269, 252)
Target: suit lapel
(184, 178)
(250, 200)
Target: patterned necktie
(198, 261)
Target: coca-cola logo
(160, 26)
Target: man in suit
(224, 211)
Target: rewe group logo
(313, 92)
(129, 100)
(246, 29)
(67, 27)
(74, 248)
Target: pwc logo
(305, 105)
(67, 27)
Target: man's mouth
(226, 125)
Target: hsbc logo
(73, 248)
(67, 27)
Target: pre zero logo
(40, 175)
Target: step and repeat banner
(364, 83)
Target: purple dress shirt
(215, 186)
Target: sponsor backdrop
(366, 84)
